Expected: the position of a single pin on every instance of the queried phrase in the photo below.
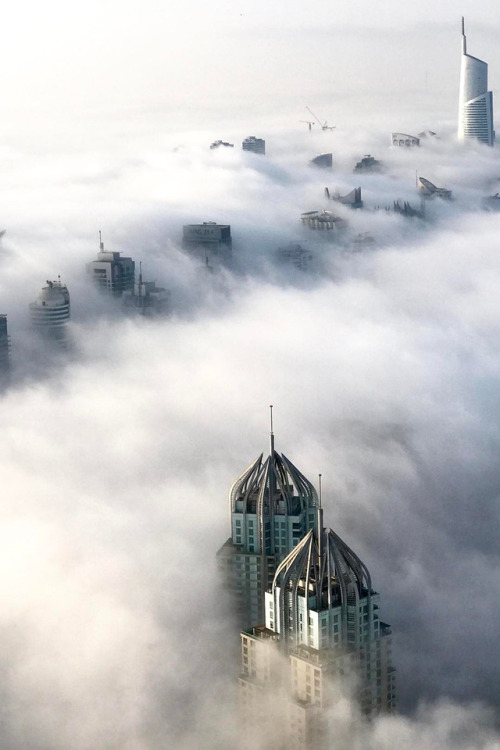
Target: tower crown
(272, 487)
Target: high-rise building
(50, 312)
(111, 272)
(146, 298)
(323, 630)
(209, 242)
(475, 106)
(256, 145)
(272, 506)
(4, 350)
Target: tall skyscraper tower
(111, 272)
(475, 107)
(322, 630)
(272, 506)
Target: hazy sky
(383, 366)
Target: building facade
(272, 506)
(146, 299)
(111, 272)
(209, 242)
(50, 312)
(322, 634)
(255, 145)
(475, 106)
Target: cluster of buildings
(309, 615)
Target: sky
(382, 365)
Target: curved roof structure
(272, 487)
(325, 572)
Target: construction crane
(323, 125)
(308, 122)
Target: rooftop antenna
(101, 243)
(464, 38)
(272, 432)
(319, 526)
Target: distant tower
(209, 242)
(110, 272)
(256, 145)
(146, 298)
(323, 616)
(4, 350)
(51, 311)
(475, 108)
(272, 506)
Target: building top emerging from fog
(404, 140)
(218, 144)
(209, 242)
(322, 220)
(255, 145)
(429, 190)
(111, 272)
(146, 298)
(475, 107)
(50, 312)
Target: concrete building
(111, 272)
(209, 242)
(403, 140)
(323, 619)
(4, 350)
(255, 145)
(50, 312)
(368, 164)
(146, 298)
(272, 506)
(475, 106)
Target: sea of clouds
(117, 456)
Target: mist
(382, 364)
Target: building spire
(272, 433)
(101, 243)
(464, 38)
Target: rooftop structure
(368, 164)
(403, 140)
(255, 145)
(352, 199)
(475, 106)
(323, 616)
(405, 209)
(323, 161)
(111, 272)
(429, 190)
(50, 312)
(209, 242)
(218, 144)
(146, 298)
(322, 220)
(272, 505)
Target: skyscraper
(475, 107)
(50, 312)
(322, 630)
(272, 506)
(111, 272)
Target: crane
(323, 126)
